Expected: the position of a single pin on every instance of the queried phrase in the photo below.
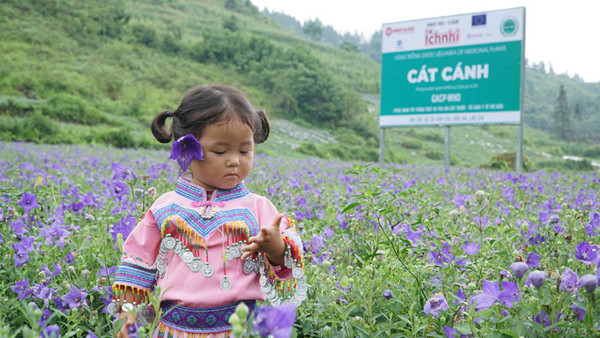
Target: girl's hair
(206, 105)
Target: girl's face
(228, 155)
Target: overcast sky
(562, 33)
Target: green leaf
(350, 206)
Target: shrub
(507, 161)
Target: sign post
(456, 70)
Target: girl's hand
(269, 241)
(129, 320)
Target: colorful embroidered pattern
(200, 320)
(195, 193)
(204, 226)
(238, 191)
(133, 274)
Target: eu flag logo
(478, 20)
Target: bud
(101, 281)
(238, 331)
(369, 269)
(71, 269)
(152, 192)
(85, 274)
(479, 195)
(379, 255)
(89, 217)
(234, 320)
(537, 278)
(327, 331)
(387, 294)
(589, 282)
(519, 269)
(471, 286)
(454, 214)
(242, 310)
(326, 265)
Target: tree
(577, 112)
(562, 115)
(313, 28)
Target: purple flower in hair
(186, 149)
(28, 202)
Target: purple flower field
(394, 251)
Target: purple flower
(519, 269)
(275, 321)
(569, 281)
(52, 331)
(55, 234)
(18, 227)
(589, 282)
(435, 305)
(586, 253)
(580, 311)
(75, 298)
(44, 318)
(450, 331)
(186, 149)
(28, 202)
(488, 297)
(537, 278)
(533, 260)
(387, 294)
(471, 248)
(22, 289)
(510, 294)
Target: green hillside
(96, 72)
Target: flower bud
(242, 310)
(85, 274)
(234, 320)
(519, 269)
(387, 294)
(454, 214)
(326, 265)
(537, 278)
(369, 269)
(479, 195)
(589, 282)
(327, 331)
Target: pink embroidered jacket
(203, 228)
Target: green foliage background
(96, 72)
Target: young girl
(211, 243)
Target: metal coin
(262, 280)
(275, 301)
(178, 247)
(248, 266)
(228, 254)
(297, 272)
(225, 284)
(196, 265)
(168, 242)
(207, 270)
(187, 257)
(288, 261)
(113, 308)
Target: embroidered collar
(196, 193)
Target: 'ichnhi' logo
(434, 37)
(478, 20)
(509, 26)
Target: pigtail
(159, 127)
(263, 127)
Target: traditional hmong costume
(190, 247)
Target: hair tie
(169, 113)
